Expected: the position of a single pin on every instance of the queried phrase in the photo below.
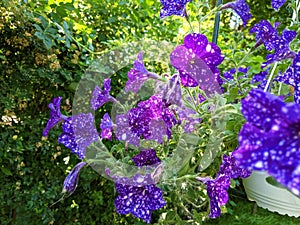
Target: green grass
(244, 212)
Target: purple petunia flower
(269, 140)
(197, 61)
(217, 188)
(146, 157)
(173, 7)
(276, 4)
(266, 34)
(228, 75)
(231, 169)
(262, 78)
(139, 201)
(55, 115)
(71, 180)
(78, 133)
(123, 131)
(138, 75)
(106, 126)
(217, 193)
(241, 8)
(100, 97)
(149, 120)
(292, 77)
(282, 48)
(139, 195)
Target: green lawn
(247, 213)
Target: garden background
(45, 49)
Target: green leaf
(6, 171)
(112, 19)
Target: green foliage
(45, 48)
(245, 212)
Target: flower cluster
(139, 195)
(217, 188)
(270, 140)
(180, 104)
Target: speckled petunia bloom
(228, 75)
(197, 61)
(265, 34)
(78, 133)
(106, 127)
(217, 193)
(261, 78)
(241, 8)
(281, 48)
(292, 77)
(100, 97)
(139, 201)
(123, 131)
(230, 168)
(146, 157)
(71, 180)
(269, 140)
(55, 115)
(138, 75)
(217, 188)
(173, 7)
(139, 195)
(147, 120)
(276, 4)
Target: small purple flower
(262, 78)
(228, 75)
(138, 75)
(71, 180)
(231, 169)
(173, 7)
(217, 193)
(269, 140)
(197, 61)
(100, 97)
(78, 133)
(282, 48)
(292, 77)
(266, 34)
(276, 4)
(146, 157)
(55, 116)
(139, 201)
(217, 188)
(241, 8)
(123, 131)
(144, 121)
(138, 195)
(106, 127)
(158, 128)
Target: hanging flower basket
(269, 196)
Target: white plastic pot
(268, 196)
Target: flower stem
(279, 89)
(270, 77)
(216, 24)
(189, 22)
